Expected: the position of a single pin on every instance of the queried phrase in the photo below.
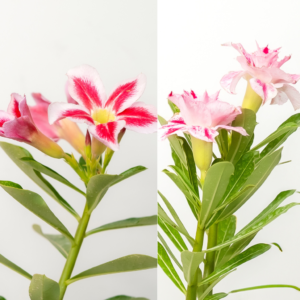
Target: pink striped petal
(126, 94)
(75, 113)
(292, 94)
(175, 125)
(13, 106)
(108, 133)
(4, 117)
(265, 90)
(69, 98)
(241, 130)
(140, 117)
(230, 80)
(202, 133)
(40, 99)
(280, 98)
(85, 87)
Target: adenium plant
(42, 126)
(217, 138)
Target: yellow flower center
(102, 116)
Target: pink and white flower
(64, 129)
(17, 123)
(106, 117)
(262, 69)
(201, 116)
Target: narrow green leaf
(257, 178)
(173, 107)
(166, 265)
(222, 141)
(164, 243)
(279, 132)
(175, 144)
(190, 262)
(16, 154)
(2, 298)
(240, 259)
(127, 223)
(216, 296)
(129, 263)
(173, 235)
(43, 288)
(226, 230)
(239, 143)
(123, 297)
(97, 188)
(49, 172)
(4, 261)
(35, 204)
(215, 185)
(173, 213)
(60, 242)
(247, 231)
(128, 173)
(266, 287)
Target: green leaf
(49, 172)
(279, 132)
(2, 298)
(194, 204)
(222, 141)
(173, 235)
(128, 173)
(226, 230)
(97, 188)
(247, 231)
(175, 143)
(43, 288)
(123, 297)
(216, 296)
(174, 214)
(257, 178)
(129, 263)
(4, 261)
(36, 204)
(240, 259)
(60, 242)
(239, 143)
(266, 287)
(164, 243)
(190, 262)
(16, 154)
(215, 185)
(127, 223)
(173, 107)
(166, 265)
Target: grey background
(190, 56)
(39, 42)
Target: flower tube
(17, 123)
(105, 117)
(64, 129)
(266, 81)
(201, 117)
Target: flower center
(102, 116)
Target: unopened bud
(88, 145)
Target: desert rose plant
(225, 180)
(41, 126)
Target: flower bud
(88, 145)
(202, 152)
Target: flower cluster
(45, 123)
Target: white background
(39, 42)
(190, 56)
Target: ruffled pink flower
(17, 123)
(64, 129)
(105, 117)
(201, 116)
(262, 69)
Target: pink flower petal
(13, 106)
(202, 133)
(85, 87)
(140, 117)
(108, 133)
(75, 113)
(241, 130)
(4, 117)
(292, 94)
(280, 98)
(230, 80)
(40, 99)
(69, 98)
(265, 90)
(126, 94)
(175, 125)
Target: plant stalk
(209, 264)
(73, 254)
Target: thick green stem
(192, 289)
(210, 256)
(73, 254)
(251, 100)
